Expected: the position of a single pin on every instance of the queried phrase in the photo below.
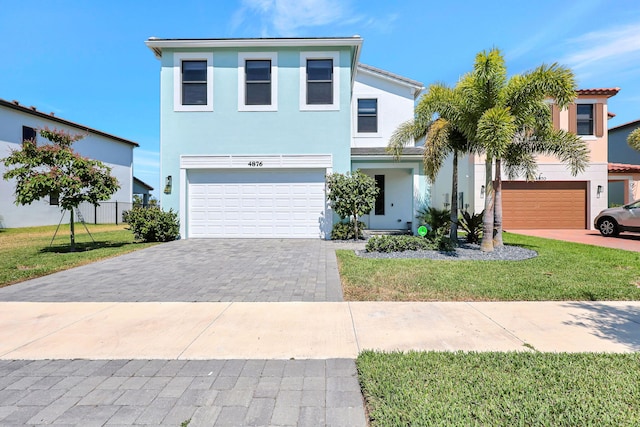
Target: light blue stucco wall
(225, 130)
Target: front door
(394, 205)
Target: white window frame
(355, 116)
(242, 58)
(304, 56)
(592, 102)
(178, 58)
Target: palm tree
(515, 124)
(634, 139)
(443, 137)
(506, 119)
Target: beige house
(555, 199)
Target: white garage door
(241, 203)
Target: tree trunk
(497, 215)
(72, 231)
(453, 235)
(487, 223)
(355, 227)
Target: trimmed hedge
(344, 231)
(408, 243)
(153, 224)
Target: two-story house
(556, 199)
(19, 123)
(251, 127)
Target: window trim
(357, 116)
(304, 56)
(178, 58)
(267, 56)
(598, 117)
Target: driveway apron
(170, 392)
(198, 270)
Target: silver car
(613, 221)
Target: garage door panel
(545, 205)
(283, 203)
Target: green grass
(25, 252)
(500, 389)
(562, 271)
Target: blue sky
(87, 61)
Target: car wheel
(608, 227)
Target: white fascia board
(156, 45)
(416, 88)
(404, 157)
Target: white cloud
(610, 50)
(288, 17)
(146, 160)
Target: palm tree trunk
(72, 231)
(453, 235)
(487, 225)
(497, 215)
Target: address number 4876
(255, 163)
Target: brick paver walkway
(170, 392)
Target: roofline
(142, 183)
(15, 105)
(608, 92)
(156, 44)
(414, 84)
(634, 122)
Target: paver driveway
(158, 392)
(202, 270)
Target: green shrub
(153, 224)
(399, 244)
(438, 221)
(472, 225)
(344, 231)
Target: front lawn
(500, 389)
(25, 252)
(561, 271)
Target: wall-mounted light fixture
(599, 191)
(167, 185)
(482, 191)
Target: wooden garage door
(544, 204)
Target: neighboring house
(17, 123)
(251, 127)
(624, 165)
(556, 199)
(143, 190)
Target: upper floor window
(319, 81)
(367, 115)
(257, 81)
(29, 134)
(584, 117)
(193, 81)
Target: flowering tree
(56, 169)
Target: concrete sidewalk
(306, 330)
